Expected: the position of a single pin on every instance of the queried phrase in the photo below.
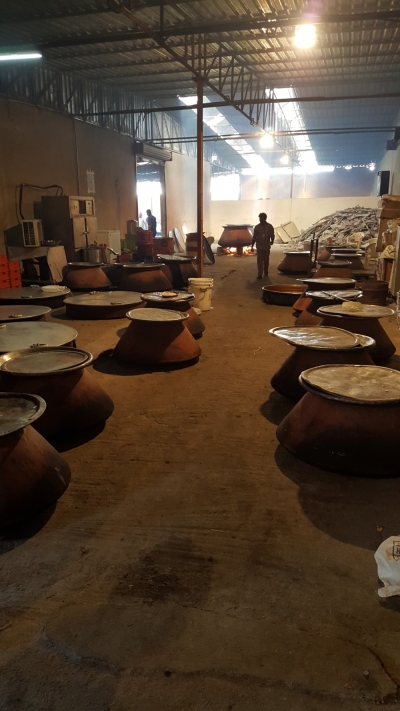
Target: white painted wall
(181, 193)
(304, 212)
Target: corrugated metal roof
(86, 38)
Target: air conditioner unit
(32, 233)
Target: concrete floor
(193, 564)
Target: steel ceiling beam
(219, 104)
(237, 25)
(241, 38)
(241, 53)
(337, 63)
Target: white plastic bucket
(202, 290)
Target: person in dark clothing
(151, 223)
(263, 237)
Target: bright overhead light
(285, 159)
(348, 167)
(19, 55)
(372, 166)
(267, 141)
(304, 36)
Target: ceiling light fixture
(19, 56)
(267, 140)
(372, 166)
(348, 167)
(285, 159)
(305, 36)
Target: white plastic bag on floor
(388, 561)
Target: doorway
(150, 177)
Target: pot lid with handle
(359, 384)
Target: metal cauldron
(348, 421)
(32, 474)
(94, 254)
(85, 276)
(179, 302)
(74, 398)
(156, 336)
(309, 352)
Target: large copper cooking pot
(180, 302)
(348, 422)
(75, 400)
(102, 304)
(156, 336)
(309, 353)
(9, 313)
(236, 236)
(142, 277)
(32, 474)
(310, 317)
(296, 263)
(85, 276)
(177, 269)
(365, 322)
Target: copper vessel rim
(319, 392)
(11, 355)
(41, 406)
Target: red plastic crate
(5, 284)
(14, 268)
(3, 259)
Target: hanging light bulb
(267, 141)
(285, 159)
(304, 36)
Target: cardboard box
(388, 213)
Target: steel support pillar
(200, 87)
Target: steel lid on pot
(140, 266)
(25, 334)
(334, 294)
(323, 337)
(44, 361)
(86, 265)
(27, 292)
(175, 258)
(358, 384)
(18, 411)
(157, 315)
(22, 312)
(326, 281)
(367, 311)
(105, 298)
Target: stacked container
(10, 274)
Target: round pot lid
(317, 337)
(328, 281)
(27, 292)
(139, 267)
(86, 265)
(367, 311)
(44, 361)
(17, 313)
(337, 255)
(208, 251)
(17, 411)
(175, 258)
(158, 296)
(284, 289)
(334, 295)
(105, 298)
(25, 334)
(335, 263)
(236, 227)
(300, 254)
(156, 315)
(362, 384)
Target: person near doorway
(142, 222)
(263, 238)
(151, 223)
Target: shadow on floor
(106, 363)
(71, 440)
(276, 408)
(360, 512)
(14, 536)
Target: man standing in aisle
(263, 237)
